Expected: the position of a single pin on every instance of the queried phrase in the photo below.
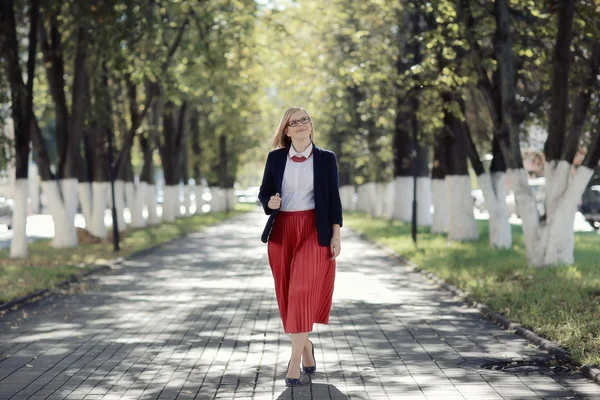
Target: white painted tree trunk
(151, 205)
(199, 200)
(84, 190)
(34, 189)
(370, 197)
(361, 204)
(137, 210)
(18, 243)
(379, 203)
(560, 211)
(494, 194)
(423, 201)
(230, 198)
(439, 223)
(130, 199)
(65, 234)
(187, 198)
(171, 203)
(100, 194)
(216, 201)
(70, 198)
(461, 222)
(403, 199)
(388, 200)
(225, 200)
(551, 242)
(120, 203)
(526, 208)
(403, 189)
(346, 193)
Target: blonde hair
(280, 139)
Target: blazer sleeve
(335, 203)
(267, 187)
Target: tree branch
(128, 142)
(560, 82)
(531, 107)
(593, 155)
(581, 105)
(483, 82)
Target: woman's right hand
(275, 202)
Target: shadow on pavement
(316, 391)
(198, 319)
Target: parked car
(590, 206)
(6, 211)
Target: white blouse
(298, 182)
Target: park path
(197, 318)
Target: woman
(300, 192)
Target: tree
(547, 241)
(22, 111)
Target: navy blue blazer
(328, 206)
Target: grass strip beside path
(559, 303)
(46, 266)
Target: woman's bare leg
(298, 342)
(307, 358)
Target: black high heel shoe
(292, 381)
(313, 369)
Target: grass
(46, 266)
(559, 303)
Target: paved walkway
(198, 319)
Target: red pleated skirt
(303, 272)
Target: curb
(589, 371)
(43, 293)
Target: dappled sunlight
(198, 317)
(561, 302)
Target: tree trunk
(184, 171)
(100, 182)
(406, 129)
(170, 151)
(148, 142)
(68, 128)
(133, 197)
(500, 231)
(146, 191)
(493, 187)
(130, 136)
(561, 62)
(439, 188)
(22, 114)
(461, 222)
(223, 194)
(196, 158)
(403, 180)
(96, 144)
(424, 190)
(507, 132)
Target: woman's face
(303, 128)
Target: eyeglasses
(303, 120)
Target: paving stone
(198, 319)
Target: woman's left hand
(336, 247)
